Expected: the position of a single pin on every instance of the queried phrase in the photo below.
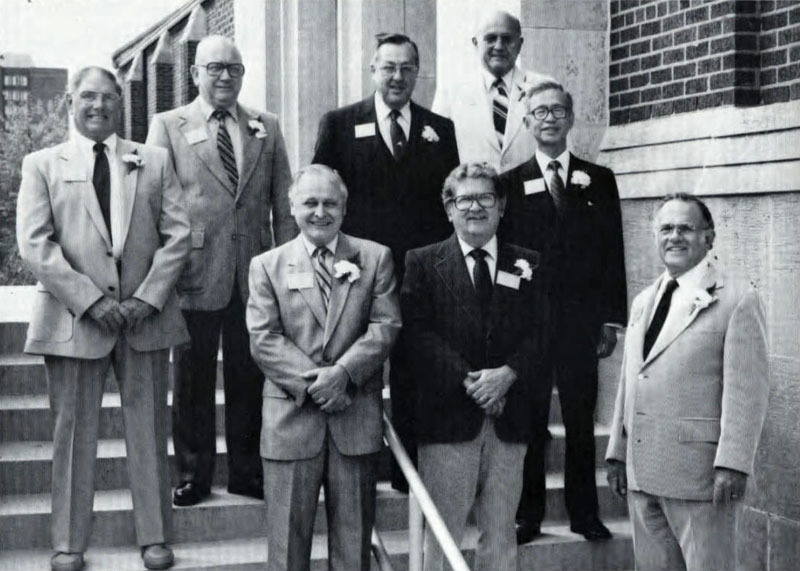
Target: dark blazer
(397, 205)
(584, 250)
(446, 336)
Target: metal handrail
(420, 504)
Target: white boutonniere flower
(429, 134)
(349, 269)
(702, 299)
(524, 269)
(257, 128)
(132, 160)
(580, 178)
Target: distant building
(21, 83)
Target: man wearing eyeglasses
(475, 312)
(691, 400)
(486, 106)
(569, 209)
(393, 156)
(102, 226)
(233, 166)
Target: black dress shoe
(527, 532)
(189, 494)
(253, 491)
(592, 529)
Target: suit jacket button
(109, 254)
(110, 288)
(239, 206)
(233, 237)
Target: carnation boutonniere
(132, 161)
(525, 268)
(257, 128)
(580, 179)
(429, 134)
(702, 299)
(350, 269)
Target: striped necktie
(397, 135)
(225, 147)
(323, 274)
(557, 190)
(499, 109)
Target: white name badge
(365, 130)
(534, 186)
(196, 136)
(304, 280)
(507, 280)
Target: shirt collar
(86, 145)
(489, 79)
(208, 110)
(693, 278)
(382, 110)
(544, 160)
(310, 248)
(489, 247)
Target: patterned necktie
(499, 109)
(557, 190)
(659, 317)
(225, 147)
(323, 274)
(398, 136)
(101, 178)
(482, 279)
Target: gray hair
(325, 172)
(546, 85)
(474, 170)
(80, 74)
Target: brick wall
(220, 17)
(675, 56)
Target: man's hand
(328, 390)
(108, 313)
(607, 341)
(617, 478)
(496, 409)
(729, 485)
(135, 311)
(488, 386)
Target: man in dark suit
(569, 209)
(393, 155)
(475, 311)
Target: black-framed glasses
(216, 68)
(485, 200)
(389, 69)
(540, 113)
(91, 97)
(680, 229)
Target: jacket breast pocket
(193, 277)
(698, 430)
(50, 320)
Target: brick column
(135, 96)
(160, 76)
(184, 58)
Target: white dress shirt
(231, 123)
(544, 161)
(86, 149)
(311, 248)
(488, 82)
(491, 258)
(382, 112)
(688, 284)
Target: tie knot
(672, 285)
(99, 147)
(394, 114)
(321, 253)
(554, 166)
(478, 254)
(499, 85)
(220, 114)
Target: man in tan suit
(691, 402)
(323, 315)
(100, 223)
(232, 164)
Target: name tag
(196, 136)
(534, 186)
(507, 280)
(300, 281)
(365, 130)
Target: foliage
(23, 130)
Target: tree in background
(23, 129)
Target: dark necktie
(557, 190)
(482, 279)
(225, 147)
(101, 178)
(323, 274)
(398, 136)
(499, 109)
(659, 317)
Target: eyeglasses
(680, 229)
(540, 113)
(388, 70)
(91, 97)
(464, 202)
(215, 69)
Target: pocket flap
(698, 430)
(273, 391)
(198, 238)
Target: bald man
(232, 164)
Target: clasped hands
(488, 388)
(329, 389)
(113, 315)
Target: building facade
(23, 84)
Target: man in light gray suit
(232, 164)
(691, 401)
(323, 315)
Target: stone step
(25, 519)
(26, 467)
(556, 550)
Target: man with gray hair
(323, 315)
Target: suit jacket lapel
(339, 288)
(452, 269)
(75, 174)
(300, 263)
(251, 147)
(193, 123)
(516, 112)
(415, 131)
(130, 177)
(500, 294)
